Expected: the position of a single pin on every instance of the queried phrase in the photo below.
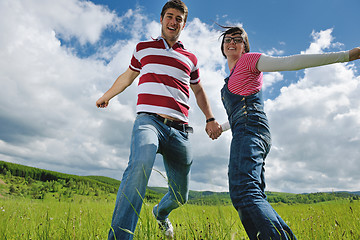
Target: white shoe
(165, 226)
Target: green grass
(84, 219)
(40, 204)
(328, 220)
(35, 219)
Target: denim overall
(250, 145)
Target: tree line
(38, 183)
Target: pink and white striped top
(165, 77)
(246, 79)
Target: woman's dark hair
(176, 4)
(231, 30)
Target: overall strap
(227, 79)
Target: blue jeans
(247, 186)
(149, 137)
(249, 147)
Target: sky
(58, 57)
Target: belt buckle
(171, 123)
(189, 129)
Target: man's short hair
(176, 4)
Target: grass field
(82, 219)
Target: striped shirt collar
(176, 45)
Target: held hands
(213, 129)
(354, 54)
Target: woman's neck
(232, 62)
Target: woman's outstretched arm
(302, 61)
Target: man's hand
(102, 102)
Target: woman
(242, 99)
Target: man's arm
(120, 84)
(212, 128)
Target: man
(167, 71)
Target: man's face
(172, 24)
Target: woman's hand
(354, 54)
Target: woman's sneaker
(165, 225)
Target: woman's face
(234, 45)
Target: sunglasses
(235, 39)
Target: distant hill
(20, 180)
(105, 180)
(355, 193)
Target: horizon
(267, 191)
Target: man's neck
(169, 43)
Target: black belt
(184, 127)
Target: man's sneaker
(164, 225)
(167, 227)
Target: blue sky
(58, 57)
(280, 25)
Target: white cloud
(49, 92)
(48, 117)
(315, 128)
(271, 78)
(322, 40)
(80, 19)
(274, 51)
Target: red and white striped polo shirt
(165, 77)
(246, 78)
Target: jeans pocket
(185, 135)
